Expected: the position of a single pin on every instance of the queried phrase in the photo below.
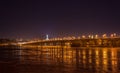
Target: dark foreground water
(59, 60)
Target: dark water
(61, 60)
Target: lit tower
(47, 37)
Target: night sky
(32, 19)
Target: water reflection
(77, 59)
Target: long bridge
(79, 42)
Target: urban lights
(91, 36)
(104, 35)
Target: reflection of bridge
(109, 42)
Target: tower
(47, 37)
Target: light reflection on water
(96, 60)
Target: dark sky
(28, 19)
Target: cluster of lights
(84, 37)
(104, 35)
(114, 35)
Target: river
(22, 59)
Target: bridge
(77, 42)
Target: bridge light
(104, 35)
(114, 34)
(96, 36)
(89, 36)
(92, 36)
(60, 38)
(83, 36)
(111, 35)
(73, 37)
